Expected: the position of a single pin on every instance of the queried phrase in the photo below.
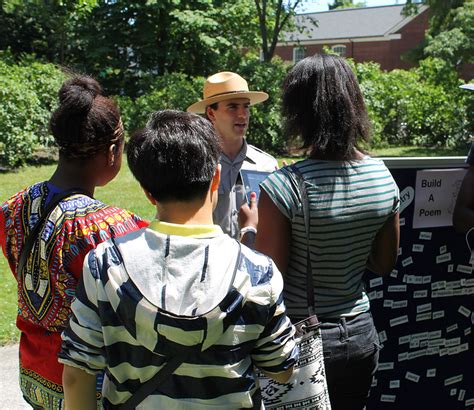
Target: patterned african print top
(47, 284)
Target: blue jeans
(351, 353)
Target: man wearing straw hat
(226, 101)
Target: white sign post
(435, 196)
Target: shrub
(265, 128)
(170, 91)
(422, 106)
(28, 92)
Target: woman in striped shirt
(353, 206)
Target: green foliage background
(423, 106)
(152, 54)
(27, 96)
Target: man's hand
(248, 214)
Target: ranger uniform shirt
(231, 190)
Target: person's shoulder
(259, 153)
(132, 239)
(17, 200)
(124, 213)
(107, 218)
(109, 252)
(102, 211)
(371, 162)
(34, 190)
(285, 174)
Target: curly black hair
(322, 103)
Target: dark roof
(350, 23)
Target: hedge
(28, 94)
(422, 106)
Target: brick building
(381, 34)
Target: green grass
(403, 152)
(419, 152)
(124, 192)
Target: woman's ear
(112, 155)
(216, 179)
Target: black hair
(322, 103)
(175, 156)
(86, 122)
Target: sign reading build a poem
(424, 309)
(436, 192)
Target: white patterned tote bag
(307, 387)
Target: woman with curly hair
(351, 202)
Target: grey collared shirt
(231, 190)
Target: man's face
(231, 118)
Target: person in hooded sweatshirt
(180, 290)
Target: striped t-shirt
(349, 202)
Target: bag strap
(31, 238)
(150, 385)
(306, 216)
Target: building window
(340, 50)
(298, 54)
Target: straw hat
(225, 86)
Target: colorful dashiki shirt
(47, 285)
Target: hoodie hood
(174, 291)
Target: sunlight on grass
(419, 152)
(402, 152)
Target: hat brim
(255, 97)
(467, 86)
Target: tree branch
(262, 13)
(279, 27)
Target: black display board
(422, 312)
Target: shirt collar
(251, 155)
(241, 156)
(195, 231)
